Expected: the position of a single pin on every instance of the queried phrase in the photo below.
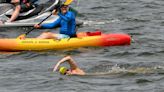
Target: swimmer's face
(68, 72)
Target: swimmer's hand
(55, 68)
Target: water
(135, 68)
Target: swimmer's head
(63, 70)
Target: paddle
(52, 6)
(22, 36)
(67, 2)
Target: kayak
(85, 39)
(30, 21)
(31, 17)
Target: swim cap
(63, 70)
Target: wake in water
(109, 69)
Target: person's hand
(55, 69)
(22, 37)
(37, 26)
(55, 12)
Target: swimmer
(73, 70)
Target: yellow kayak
(87, 39)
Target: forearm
(51, 25)
(56, 67)
(15, 13)
(66, 59)
(71, 62)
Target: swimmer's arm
(66, 59)
(58, 64)
(71, 62)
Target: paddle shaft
(38, 24)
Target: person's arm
(67, 17)
(15, 13)
(51, 25)
(68, 59)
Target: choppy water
(135, 68)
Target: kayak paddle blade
(21, 36)
(67, 2)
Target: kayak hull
(51, 44)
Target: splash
(125, 69)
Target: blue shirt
(66, 22)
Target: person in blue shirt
(66, 22)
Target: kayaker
(20, 6)
(67, 24)
(73, 70)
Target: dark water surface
(135, 68)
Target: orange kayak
(85, 39)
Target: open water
(135, 68)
